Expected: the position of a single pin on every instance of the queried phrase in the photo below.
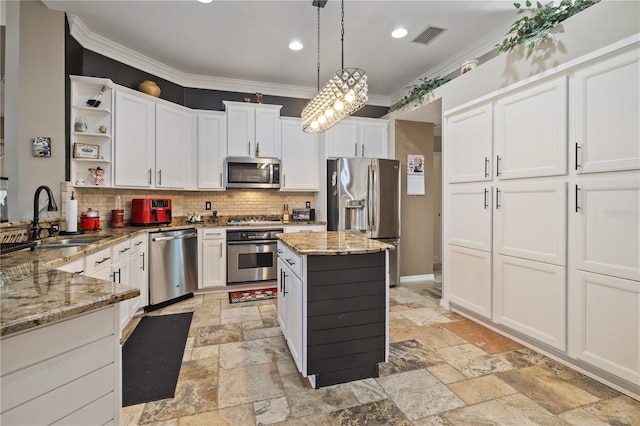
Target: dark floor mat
(152, 356)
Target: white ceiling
(208, 45)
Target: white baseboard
(417, 278)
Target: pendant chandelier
(344, 94)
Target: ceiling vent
(428, 35)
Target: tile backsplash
(226, 203)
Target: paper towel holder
(77, 232)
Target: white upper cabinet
(469, 140)
(134, 140)
(299, 165)
(253, 130)
(470, 216)
(153, 142)
(531, 131)
(607, 227)
(530, 221)
(212, 149)
(358, 137)
(173, 146)
(606, 108)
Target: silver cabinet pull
(257, 149)
(149, 176)
(142, 261)
(498, 165)
(362, 153)
(577, 206)
(486, 167)
(220, 179)
(355, 147)
(249, 148)
(497, 198)
(160, 177)
(577, 164)
(221, 250)
(486, 205)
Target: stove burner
(254, 219)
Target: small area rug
(152, 356)
(252, 295)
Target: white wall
(34, 103)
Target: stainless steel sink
(70, 242)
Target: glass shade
(341, 96)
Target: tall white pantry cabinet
(542, 199)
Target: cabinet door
(530, 297)
(299, 157)
(342, 140)
(173, 143)
(468, 141)
(531, 131)
(470, 211)
(373, 138)
(213, 263)
(138, 272)
(282, 294)
(295, 320)
(134, 140)
(606, 324)
(267, 128)
(606, 110)
(121, 274)
(240, 130)
(530, 221)
(469, 276)
(212, 149)
(606, 226)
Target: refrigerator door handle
(374, 200)
(369, 209)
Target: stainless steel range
(251, 255)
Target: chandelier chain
(342, 33)
(318, 80)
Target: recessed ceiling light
(295, 45)
(399, 33)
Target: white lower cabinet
(291, 316)
(530, 297)
(470, 212)
(67, 372)
(282, 303)
(138, 261)
(605, 326)
(606, 227)
(530, 221)
(469, 273)
(212, 257)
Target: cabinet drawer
(97, 260)
(294, 262)
(75, 266)
(138, 241)
(120, 250)
(213, 234)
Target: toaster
(303, 215)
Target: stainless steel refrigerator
(363, 196)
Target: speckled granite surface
(33, 292)
(331, 243)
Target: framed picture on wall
(41, 146)
(83, 150)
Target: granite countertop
(33, 292)
(331, 243)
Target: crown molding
(451, 65)
(123, 54)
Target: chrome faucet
(51, 206)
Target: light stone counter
(331, 243)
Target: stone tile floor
(443, 369)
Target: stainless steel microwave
(252, 173)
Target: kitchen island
(333, 304)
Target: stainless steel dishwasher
(173, 266)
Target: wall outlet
(207, 205)
(308, 204)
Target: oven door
(253, 261)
